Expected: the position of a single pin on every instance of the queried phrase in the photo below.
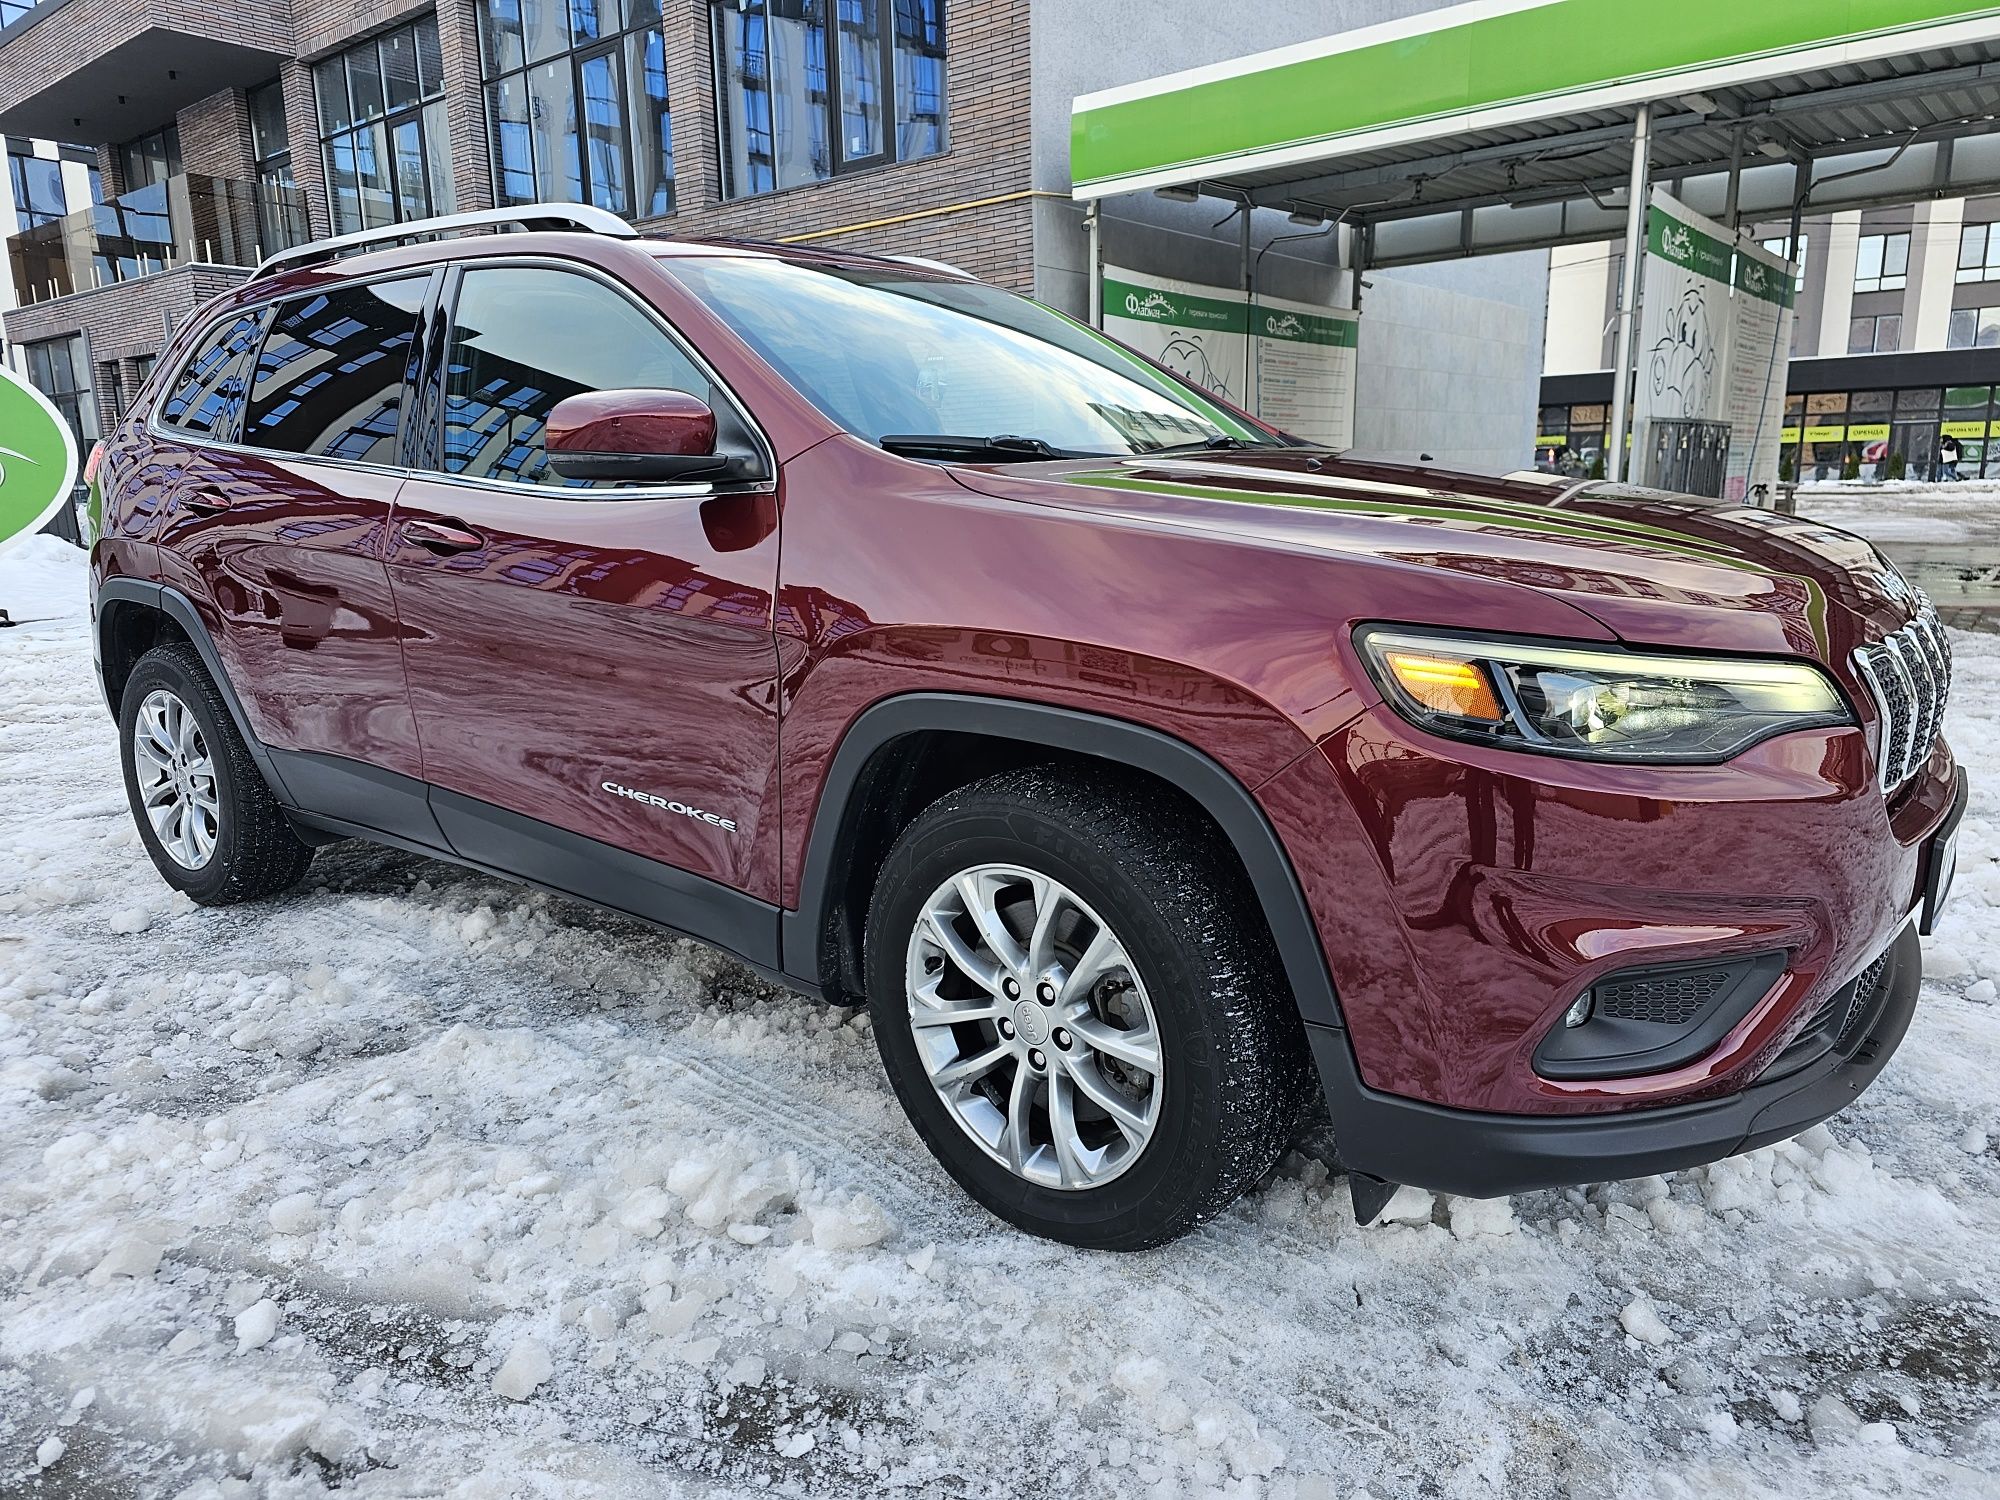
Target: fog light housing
(1652, 1019)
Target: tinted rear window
(330, 378)
(209, 389)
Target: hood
(1652, 567)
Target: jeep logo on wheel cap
(1032, 1022)
(37, 459)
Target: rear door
(284, 529)
(587, 662)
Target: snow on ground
(416, 1183)
(1906, 511)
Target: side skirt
(352, 800)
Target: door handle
(207, 502)
(443, 537)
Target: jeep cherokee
(1154, 777)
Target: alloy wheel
(176, 777)
(1034, 1027)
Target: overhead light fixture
(1776, 150)
(1178, 194)
(1309, 218)
(1700, 104)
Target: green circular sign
(37, 459)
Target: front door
(589, 665)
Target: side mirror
(635, 435)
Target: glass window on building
(271, 149)
(1823, 438)
(383, 131)
(1967, 417)
(59, 370)
(1912, 449)
(808, 89)
(1882, 263)
(1974, 328)
(38, 188)
(576, 99)
(1979, 253)
(1788, 439)
(151, 159)
(1877, 335)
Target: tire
(245, 848)
(1199, 979)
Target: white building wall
(1842, 247)
(1443, 373)
(1946, 221)
(1579, 282)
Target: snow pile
(414, 1183)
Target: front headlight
(1595, 702)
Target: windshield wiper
(1006, 447)
(1222, 442)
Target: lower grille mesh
(1671, 1000)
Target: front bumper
(1485, 1155)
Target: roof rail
(927, 263)
(572, 216)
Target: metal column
(1093, 227)
(1635, 250)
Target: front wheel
(1079, 1008)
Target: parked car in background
(1157, 780)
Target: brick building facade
(970, 205)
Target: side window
(330, 377)
(205, 395)
(524, 338)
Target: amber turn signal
(1442, 685)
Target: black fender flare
(176, 606)
(1119, 741)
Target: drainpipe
(1635, 248)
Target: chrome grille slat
(1939, 649)
(1908, 674)
(1906, 743)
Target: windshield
(891, 355)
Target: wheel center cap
(1032, 1022)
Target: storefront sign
(1963, 430)
(1291, 363)
(37, 459)
(1868, 432)
(1825, 434)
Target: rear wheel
(212, 827)
(1078, 1006)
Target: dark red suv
(1151, 775)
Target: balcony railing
(185, 219)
